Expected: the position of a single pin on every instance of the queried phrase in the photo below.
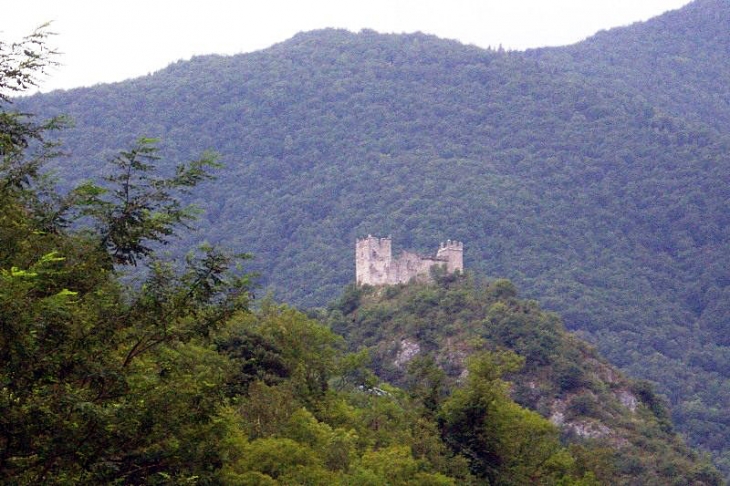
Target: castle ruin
(375, 265)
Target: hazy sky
(112, 40)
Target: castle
(375, 265)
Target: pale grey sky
(112, 40)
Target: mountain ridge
(690, 44)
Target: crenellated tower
(373, 259)
(453, 253)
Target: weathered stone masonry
(375, 265)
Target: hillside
(607, 204)
(677, 62)
(422, 337)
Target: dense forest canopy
(677, 61)
(594, 176)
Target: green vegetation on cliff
(442, 342)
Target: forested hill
(678, 61)
(593, 194)
(427, 338)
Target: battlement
(374, 263)
(451, 245)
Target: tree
(426, 383)
(22, 62)
(20, 65)
(100, 381)
(137, 208)
(505, 443)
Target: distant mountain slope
(601, 201)
(678, 61)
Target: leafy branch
(137, 209)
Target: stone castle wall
(374, 263)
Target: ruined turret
(373, 259)
(453, 253)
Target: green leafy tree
(138, 208)
(100, 382)
(21, 63)
(505, 443)
(426, 382)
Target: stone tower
(375, 265)
(373, 258)
(453, 253)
